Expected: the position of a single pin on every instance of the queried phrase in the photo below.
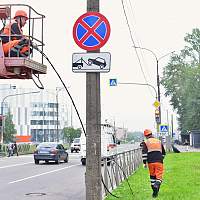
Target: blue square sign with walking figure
(113, 82)
(164, 128)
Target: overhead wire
(136, 53)
(132, 12)
(138, 41)
(131, 36)
(131, 8)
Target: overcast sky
(159, 25)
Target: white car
(75, 146)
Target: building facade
(40, 114)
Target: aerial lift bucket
(20, 67)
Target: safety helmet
(20, 13)
(147, 132)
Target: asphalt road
(21, 179)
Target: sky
(159, 25)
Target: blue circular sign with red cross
(91, 31)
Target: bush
(22, 149)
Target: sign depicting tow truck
(91, 62)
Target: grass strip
(181, 180)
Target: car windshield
(100, 59)
(76, 140)
(47, 145)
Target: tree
(181, 79)
(9, 128)
(137, 136)
(70, 133)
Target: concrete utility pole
(93, 127)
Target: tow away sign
(91, 62)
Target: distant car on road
(76, 145)
(97, 61)
(50, 151)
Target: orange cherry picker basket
(24, 67)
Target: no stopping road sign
(91, 31)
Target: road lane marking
(37, 175)
(7, 166)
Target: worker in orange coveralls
(153, 153)
(15, 44)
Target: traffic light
(1, 120)
(157, 116)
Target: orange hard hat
(20, 13)
(147, 132)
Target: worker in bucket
(15, 44)
(153, 154)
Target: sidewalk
(186, 148)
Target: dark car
(97, 61)
(50, 151)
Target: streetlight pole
(57, 139)
(147, 84)
(144, 84)
(2, 102)
(157, 76)
(58, 89)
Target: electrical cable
(45, 56)
(138, 41)
(39, 86)
(124, 177)
(35, 47)
(127, 22)
(108, 189)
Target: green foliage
(70, 133)
(22, 149)
(9, 128)
(181, 79)
(136, 136)
(180, 180)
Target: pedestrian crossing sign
(164, 128)
(113, 82)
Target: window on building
(46, 122)
(52, 105)
(18, 114)
(36, 122)
(21, 130)
(26, 116)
